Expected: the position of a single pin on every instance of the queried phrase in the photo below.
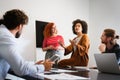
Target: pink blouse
(53, 41)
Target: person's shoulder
(85, 35)
(59, 35)
(117, 45)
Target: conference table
(88, 74)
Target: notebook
(107, 63)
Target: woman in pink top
(51, 41)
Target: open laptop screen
(107, 63)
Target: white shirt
(76, 41)
(10, 56)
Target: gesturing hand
(48, 64)
(72, 42)
(102, 47)
(62, 45)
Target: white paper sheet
(61, 76)
(81, 68)
(61, 70)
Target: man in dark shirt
(109, 44)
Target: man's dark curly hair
(13, 18)
(83, 23)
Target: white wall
(99, 14)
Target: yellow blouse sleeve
(68, 50)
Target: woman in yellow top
(79, 46)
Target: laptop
(107, 63)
